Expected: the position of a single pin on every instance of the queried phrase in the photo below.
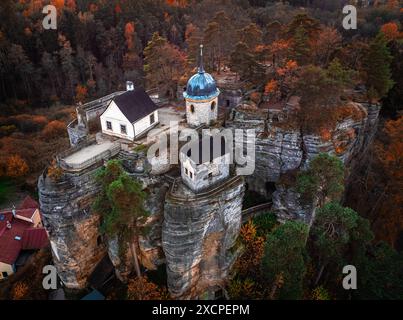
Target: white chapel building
(130, 115)
(205, 162)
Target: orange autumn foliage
(393, 4)
(81, 93)
(55, 172)
(54, 129)
(255, 97)
(143, 289)
(130, 29)
(290, 66)
(325, 134)
(59, 4)
(271, 87)
(391, 31)
(118, 9)
(19, 291)
(177, 3)
(391, 154)
(253, 252)
(16, 167)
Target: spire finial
(201, 67)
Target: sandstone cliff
(198, 235)
(284, 147)
(77, 245)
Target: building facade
(205, 163)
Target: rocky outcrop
(198, 236)
(76, 243)
(283, 147)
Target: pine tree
(284, 259)
(164, 65)
(377, 70)
(246, 64)
(300, 46)
(251, 35)
(219, 40)
(121, 205)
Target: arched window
(213, 106)
(192, 108)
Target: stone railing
(253, 212)
(201, 195)
(96, 103)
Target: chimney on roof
(129, 86)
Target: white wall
(4, 267)
(201, 181)
(117, 118)
(143, 124)
(202, 113)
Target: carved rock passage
(197, 236)
(73, 232)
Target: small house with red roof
(20, 229)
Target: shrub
(19, 291)
(16, 167)
(141, 288)
(265, 223)
(54, 129)
(55, 172)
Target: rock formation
(76, 243)
(198, 235)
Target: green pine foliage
(376, 66)
(285, 258)
(324, 179)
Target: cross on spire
(201, 67)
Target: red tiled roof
(28, 203)
(4, 217)
(9, 247)
(34, 238)
(31, 238)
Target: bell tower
(201, 97)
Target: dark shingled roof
(203, 157)
(135, 104)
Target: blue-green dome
(201, 86)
